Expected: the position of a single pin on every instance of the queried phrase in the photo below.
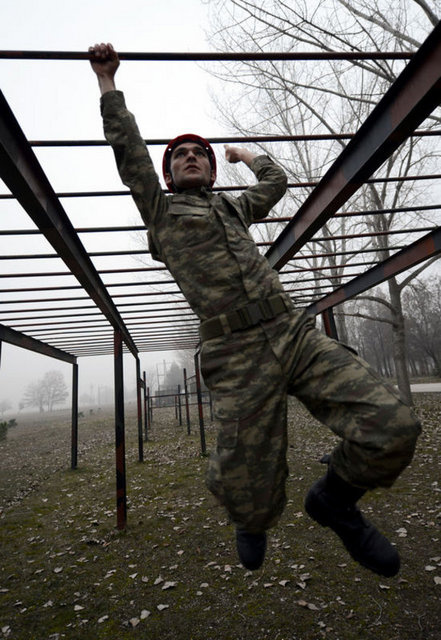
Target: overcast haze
(60, 100)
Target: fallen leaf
(307, 605)
(169, 585)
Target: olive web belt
(244, 317)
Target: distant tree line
(370, 327)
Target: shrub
(3, 430)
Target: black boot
(331, 502)
(251, 548)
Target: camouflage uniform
(204, 241)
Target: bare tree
(331, 97)
(47, 392)
(33, 397)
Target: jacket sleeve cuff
(259, 162)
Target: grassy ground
(67, 572)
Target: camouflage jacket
(202, 237)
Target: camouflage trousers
(251, 373)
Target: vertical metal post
(121, 495)
(179, 405)
(139, 410)
(329, 323)
(74, 437)
(150, 407)
(199, 394)
(146, 412)
(187, 408)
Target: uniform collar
(201, 192)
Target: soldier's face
(190, 167)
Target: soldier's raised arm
(258, 200)
(121, 131)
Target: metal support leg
(199, 394)
(139, 408)
(187, 407)
(74, 438)
(121, 494)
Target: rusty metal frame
(97, 322)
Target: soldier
(256, 348)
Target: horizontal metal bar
(291, 185)
(73, 287)
(116, 295)
(373, 234)
(329, 267)
(121, 305)
(43, 274)
(185, 317)
(264, 221)
(151, 142)
(334, 254)
(93, 254)
(212, 56)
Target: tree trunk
(399, 342)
